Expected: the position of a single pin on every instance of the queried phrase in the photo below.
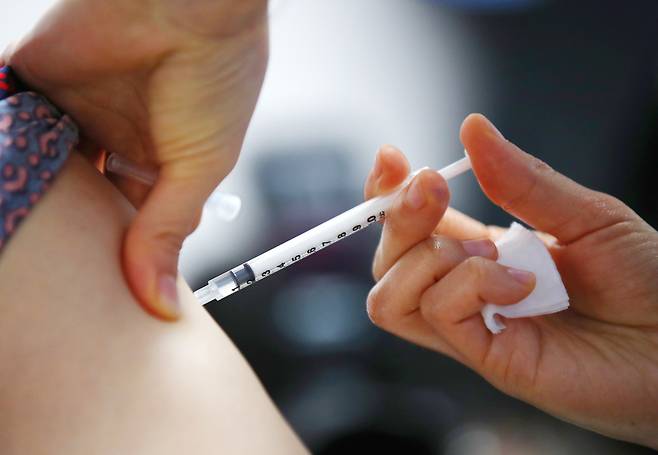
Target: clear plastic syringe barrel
(225, 284)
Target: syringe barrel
(321, 236)
(314, 240)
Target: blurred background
(573, 82)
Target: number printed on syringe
(310, 242)
(325, 243)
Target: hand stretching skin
(171, 84)
(595, 364)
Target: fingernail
(521, 276)
(435, 186)
(415, 197)
(493, 130)
(168, 290)
(484, 248)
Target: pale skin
(94, 374)
(596, 364)
(173, 84)
(170, 84)
(84, 370)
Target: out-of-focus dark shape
(319, 313)
(490, 5)
(575, 84)
(354, 413)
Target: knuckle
(431, 245)
(377, 268)
(428, 304)
(440, 244)
(376, 273)
(540, 167)
(170, 241)
(376, 305)
(476, 267)
(393, 224)
(439, 252)
(601, 205)
(437, 246)
(396, 221)
(539, 171)
(431, 309)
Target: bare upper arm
(84, 370)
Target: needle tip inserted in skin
(220, 205)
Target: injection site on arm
(220, 205)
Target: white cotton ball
(522, 249)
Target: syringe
(312, 241)
(219, 205)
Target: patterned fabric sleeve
(35, 140)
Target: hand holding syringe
(439, 312)
(312, 241)
(521, 249)
(226, 206)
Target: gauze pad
(522, 249)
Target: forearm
(84, 370)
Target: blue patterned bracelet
(35, 140)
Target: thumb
(154, 239)
(530, 190)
